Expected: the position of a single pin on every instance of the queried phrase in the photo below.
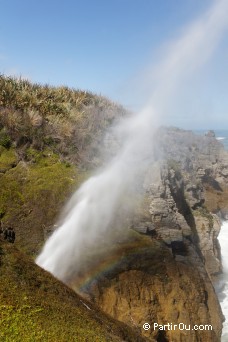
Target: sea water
(220, 134)
(222, 289)
(222, 285)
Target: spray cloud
(93, 207)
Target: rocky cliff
(164, 264)
(170, 280)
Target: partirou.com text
(179, 326)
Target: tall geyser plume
(92, 208)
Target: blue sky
(106, 46)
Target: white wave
(223, 295)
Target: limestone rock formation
(163, 271)
(171, 281)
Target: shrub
(5, 140)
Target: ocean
(222, 284)
(221, 135)
(222, 287)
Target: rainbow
(120, 259)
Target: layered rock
(154, 287)
(165, 270)
(171, 282)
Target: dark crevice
(206, 299)
(208, 179)
(177, 192)
(161, 336)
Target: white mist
(95, 204)
(223, 293)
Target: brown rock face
(170, 280)
(154, 287)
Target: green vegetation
(48, 137)
(33, 193)
(13, 320)
(8, 159)
(67, 120)
(37, 307)
(4, 139)
(203, 211)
